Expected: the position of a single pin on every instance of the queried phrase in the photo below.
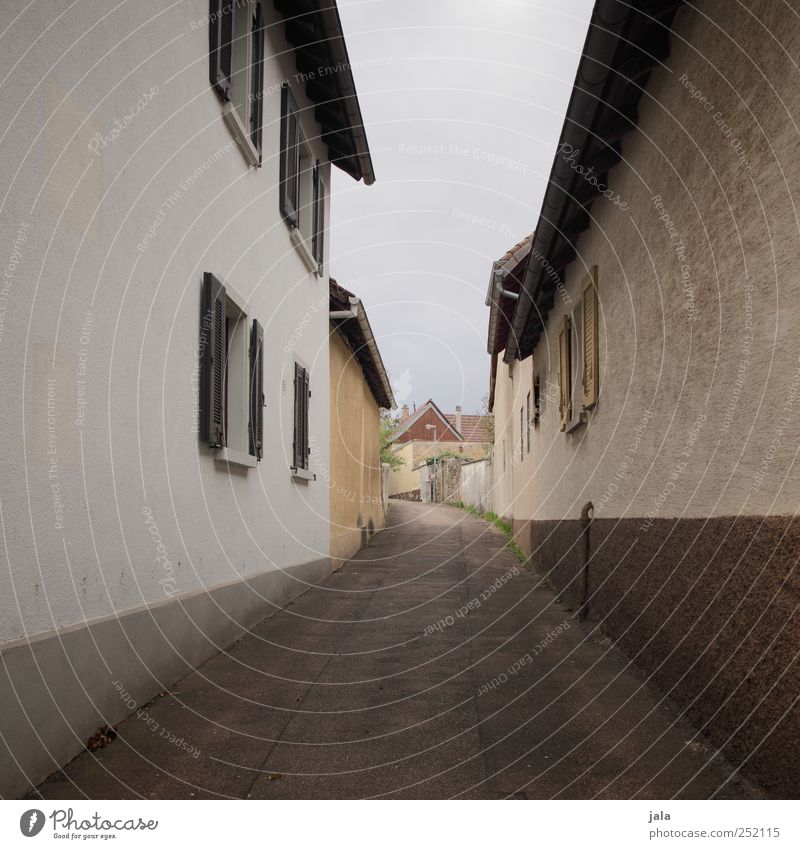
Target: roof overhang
(625, 42)
(357, 333)
(314, 29)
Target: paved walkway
(362, 687)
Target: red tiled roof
(473, 428)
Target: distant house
(359, 389)
(427, 433)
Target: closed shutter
(318, 241)
(257, 87)
(306, 399)
(564, 401)
(221, 45)
(591, 359)
(300, 417)
(528, 420)
(290, 152)
(214, 351)
(257, 390)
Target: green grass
(507, 530)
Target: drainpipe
(351, 313)
(587, 513)
(500, 291)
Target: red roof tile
(473, 428)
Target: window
(521, 434)
(537, 400)
(232, 397)
(302, 196)
(528, 421)
(579, 357)
(237, 69)
(301, 449)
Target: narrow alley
(431, 665)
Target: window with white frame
(237, 69)
(302, 196)
(232, 396)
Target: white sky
(476, 79)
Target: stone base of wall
(411, 495)
(56, 689)
(710, 608)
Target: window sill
(302, 474)
(232, 457)
(576, 422)
(240, 135)
(303, 250)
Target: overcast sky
(463, 103)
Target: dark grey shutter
(220, 35)
(257, 88)
(306, 398)
(289, 154)
(256, 390)
(317, 241)
(299, 373)
(213, 346)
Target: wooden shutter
(528, 419)
(220, 34)
(306, 399)
(564, 379)
(318, 240)
(256, 390)
(300, 417)
(289, 156)
(257, 86)
(591, 359)
(214, 351)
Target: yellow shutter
(564, 404)
(589, 348)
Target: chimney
(404, 413)
(458, 418)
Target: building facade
(359, 390)
(165, 335)
(646, 369)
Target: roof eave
(611, 59)
(314, 30)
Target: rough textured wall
(356, 502)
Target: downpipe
(587, 514)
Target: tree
(389, 424)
